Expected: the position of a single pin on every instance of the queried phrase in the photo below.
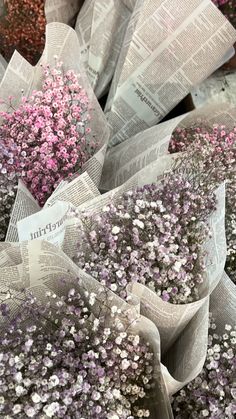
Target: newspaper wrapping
(178, 324)
(101, 26)
(63, 11)
(41, 266)
(127, 158)
(154, 73)
(67, 196)
(223, 303)
(3, 66)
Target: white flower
(16, 409)
(113, 287)
(51, 409)
(177, 266)
(96, 395)
(115, 230)
(125, 364)
(123, 354)
(116, 393)
(92, 298)
(228, 327)
(95, 324)
(19, 390)
(54, 380)
(140, 203)
(119, 274)
(18, 377)
(126, 216)
(136, 340)
(138, 223)
(36, 398)
(118, 340)
(205, 413)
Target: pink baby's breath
(46, 139)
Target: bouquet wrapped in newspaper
(210, 132)
(164, 242)
(153, 51)
(212, 393)
(212, 126)
(71, 348)
(52, 126)
(222, 162)
(156, 234)
(148, 223)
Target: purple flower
(55, 363)
(212, 394)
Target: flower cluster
(154, 236)
(228, 8)
(46, 139)
(219, 2)
(59, 361)
(23, 28)
(213, 393)
(217, 148)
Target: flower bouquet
(51, 124)
(72, 348)
(162, 243)
(222, 166)
(197, 134)
(214, 142)
(212, 393)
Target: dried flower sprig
(59, 361)
(23, 28)
(213, 393)
(46, 139)
(216, 148)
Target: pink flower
(43, 137)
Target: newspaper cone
(223, 303)
(101, 26)
(168, 48)
(39, 266)
(3, 66)
(126, 159)
(63, 11)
